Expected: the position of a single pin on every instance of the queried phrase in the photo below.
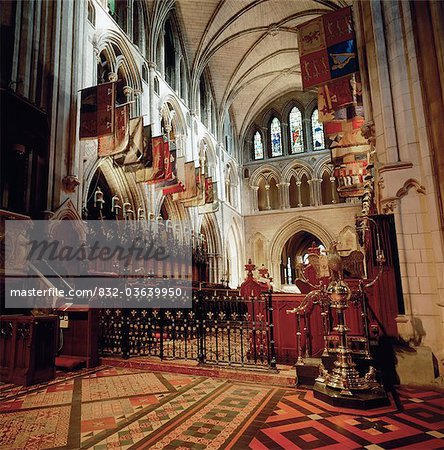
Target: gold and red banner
(327, 48)
(97, 111)
(158, 169)
(118, 141)
(176, 184)
(190, 183)
(199, 199)
(135, 142)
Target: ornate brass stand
(344, 386)
(344, 376)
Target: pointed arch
(265, 171)
(289, 229)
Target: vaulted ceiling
(250, 48)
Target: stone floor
(127, 408)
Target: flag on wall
(190, 183)
(176, 184)
(327, 48)
(97, 111)
(116, 142)
(158, 165)
(135, 142)
(199, 198)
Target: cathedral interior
(277, 164)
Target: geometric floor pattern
(121, 408)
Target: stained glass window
(258, 147)
(296, 131)
(318, 132)
(276, 137)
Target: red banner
(97, 111)
(158, 169)
(118, 141)
(327, 48)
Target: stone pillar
(298, 187)
(267, 196)
(284, 194)
(128, 92)
(286, 147)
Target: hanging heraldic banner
(97, 111)
(327, 47)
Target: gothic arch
(209, 227)
(176, 211)
(290, 229)
(289, 106)
(234, 254)
(253, 241)
(321, 165)
(266, 171)
(297, 168)
(104, 41)
(177, 119)
(120, 182)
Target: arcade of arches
(221, 81)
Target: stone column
(298, 187)
(284, 194)
(267, 196)
(286, 148)
(128, 92)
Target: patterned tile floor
(120, 408)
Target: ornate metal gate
(220, 328)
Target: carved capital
(70, 183)
(389, 205)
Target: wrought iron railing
(221, 328)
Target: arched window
(122, 14)
(144, 73)
(296, 131)
(156, 85)
(258, 146)
(137, 24)
(170, 56)
(317, 130)
(276, 137)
